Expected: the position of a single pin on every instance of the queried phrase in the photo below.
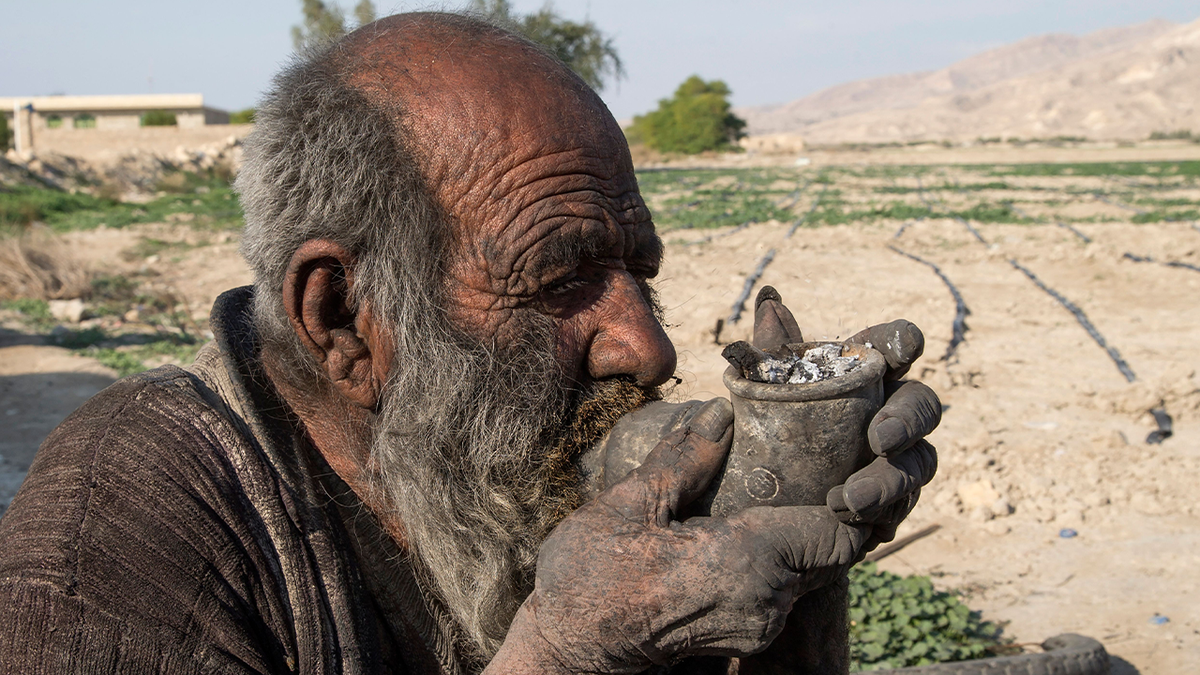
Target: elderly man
(371, 469)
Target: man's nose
(629, 339)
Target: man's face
(537, 180)
(551, 249)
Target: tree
(323, 23)
(242, 116)
(581, 46)
(364, 12)
(695, 119)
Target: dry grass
(38, 265)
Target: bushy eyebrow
(565, 250)
(648, 251)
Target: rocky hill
(1118, 83)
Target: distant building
(60, 123)
(111, 112)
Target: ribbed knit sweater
(179, 522)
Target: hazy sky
(767, 51)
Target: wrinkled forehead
(476, 100)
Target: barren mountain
(1116, 83)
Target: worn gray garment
(178, 522)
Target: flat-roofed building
(111, 112)
(87, 125)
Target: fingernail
(712, 419)
(767, 293)
(891, 434)
(863, 494)
(914, 345)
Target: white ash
(818, 363)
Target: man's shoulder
(144, 460)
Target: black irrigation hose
(1172, 263)
(1086, 239)
(1083, 321)
(960, 219)
(795, 196)
(1119, 205)
(739, 305)
(928, 206)
(961, 311)
(816, 202)
(972, 230)
(906, 226)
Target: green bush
(158, 118)
(697, 118)
(242, 116)
(896, 622)
(1177, 135)
(5, 134)
(24, 205)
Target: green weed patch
(200, 200)
(1185, 168)
(896, 622)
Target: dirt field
(1041, 432)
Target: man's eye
(564, 286)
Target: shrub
(897, 622)
(242, 116)
(5, 134)
(697, 118)
(1177, 135)
(158, 118)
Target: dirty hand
(884, 492)
(622, 584)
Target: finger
(873, 493)
(900, 341)
(802, 538)
(678, 469)
(910, 411)
(774, 324)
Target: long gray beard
(473, 451)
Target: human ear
(347, 342)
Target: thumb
(678, 469)
(774, 324)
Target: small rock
(1000, 508)
(980, 514)
(978, 494)
(67, 310)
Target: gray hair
(324, 162)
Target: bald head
(472, 98)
